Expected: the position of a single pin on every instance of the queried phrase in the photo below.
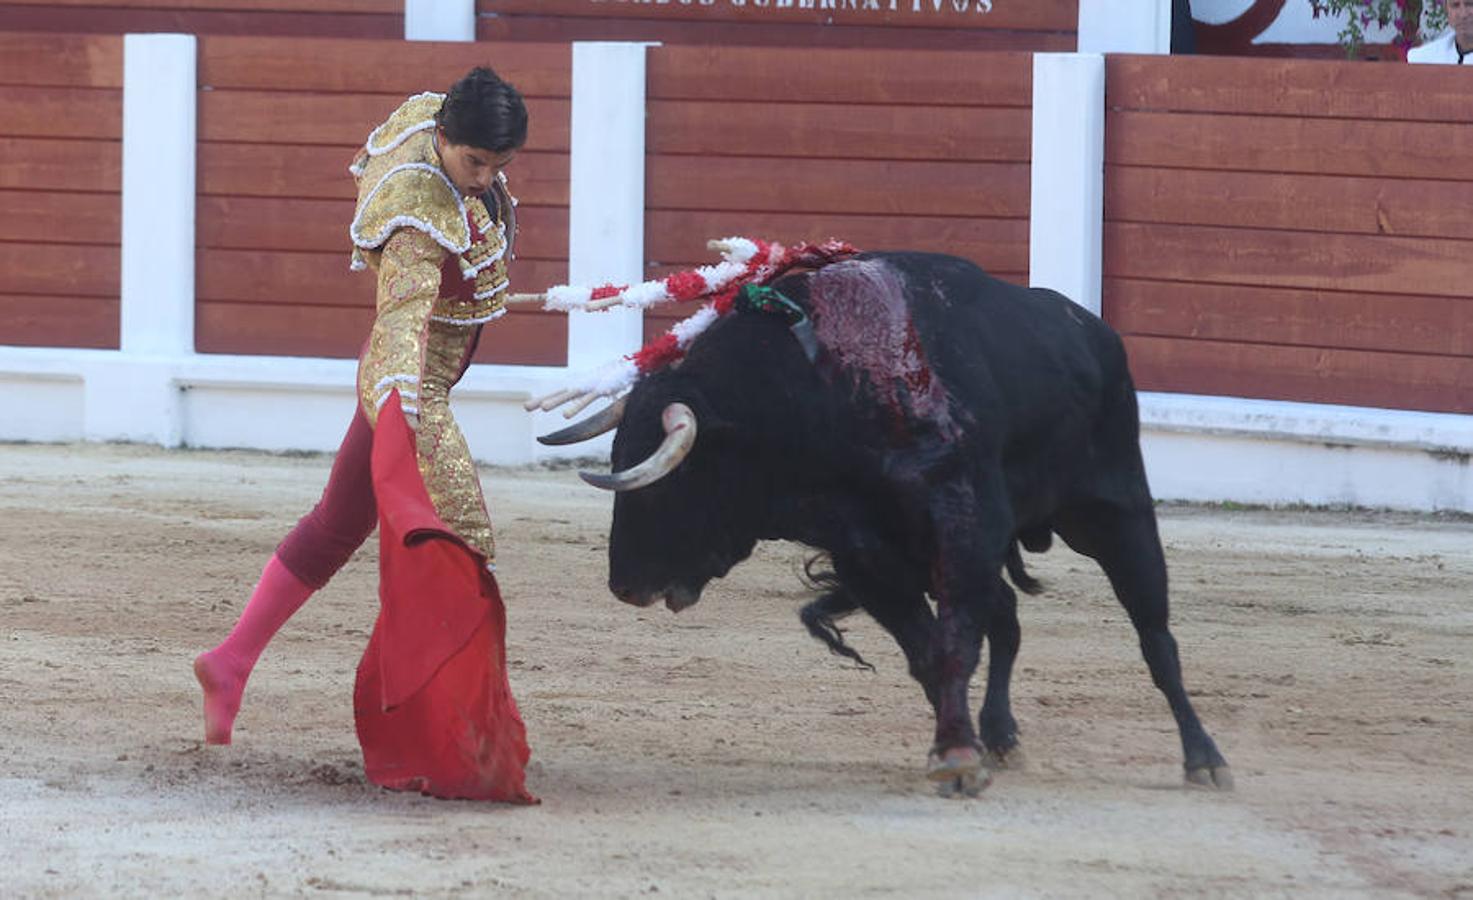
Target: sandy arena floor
(720, 753)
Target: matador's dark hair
(483, 111)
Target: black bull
(931, 420)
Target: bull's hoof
(957, 772)
(1213, 778)
(963, 786)
(1009, 758)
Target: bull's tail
(835, 603)
(1018, 574)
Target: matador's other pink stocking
(222, 672)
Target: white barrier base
(1212, 449)
(252, 402)
(1220, 449)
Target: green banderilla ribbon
(757, 298)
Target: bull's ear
(715, 426)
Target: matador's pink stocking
(222, 672)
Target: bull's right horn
(606, 419)
(680, 435)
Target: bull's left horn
(680, 436)
(606, 419)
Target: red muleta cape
(432, 703)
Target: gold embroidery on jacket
(485, 264)
(408, 279)
(422, 359)
(413, 115)
(402, 184)
(445, 461)
(416, 195)
(408, 217)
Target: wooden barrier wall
(301, 18)
(1292, 230)
(862, 145)
(916, 24)
(61, 125)
(279, 122)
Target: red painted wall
(1292, 229)
(61, 124)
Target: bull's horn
(606, 419)
(680, 436)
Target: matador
(435, 223)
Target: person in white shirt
(1455, 44)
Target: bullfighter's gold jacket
(441, 266)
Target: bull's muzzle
(633, 597)
(676, 597)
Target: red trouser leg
(309, 556)
(343, 519)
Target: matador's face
(471, 169)
(1460, 16)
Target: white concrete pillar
(132, 396)
(1068, 180)
(159, 89)
(439, 20)
(606, 194)
(1124, 26)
